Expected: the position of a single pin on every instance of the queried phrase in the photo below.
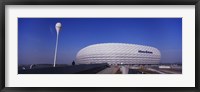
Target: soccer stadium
(118, 53)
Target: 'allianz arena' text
(118, 53)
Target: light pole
(58, 28)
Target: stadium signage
(141, 51)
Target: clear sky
(37, 37)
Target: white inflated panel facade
(118, 53)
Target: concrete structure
(118, 53)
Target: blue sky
(37, 37)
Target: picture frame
(99, 2)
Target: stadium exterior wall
(118, 53)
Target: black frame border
(3, 3)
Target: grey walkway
(109, 70)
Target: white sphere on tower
(58, 27)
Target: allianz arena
(118, 53)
